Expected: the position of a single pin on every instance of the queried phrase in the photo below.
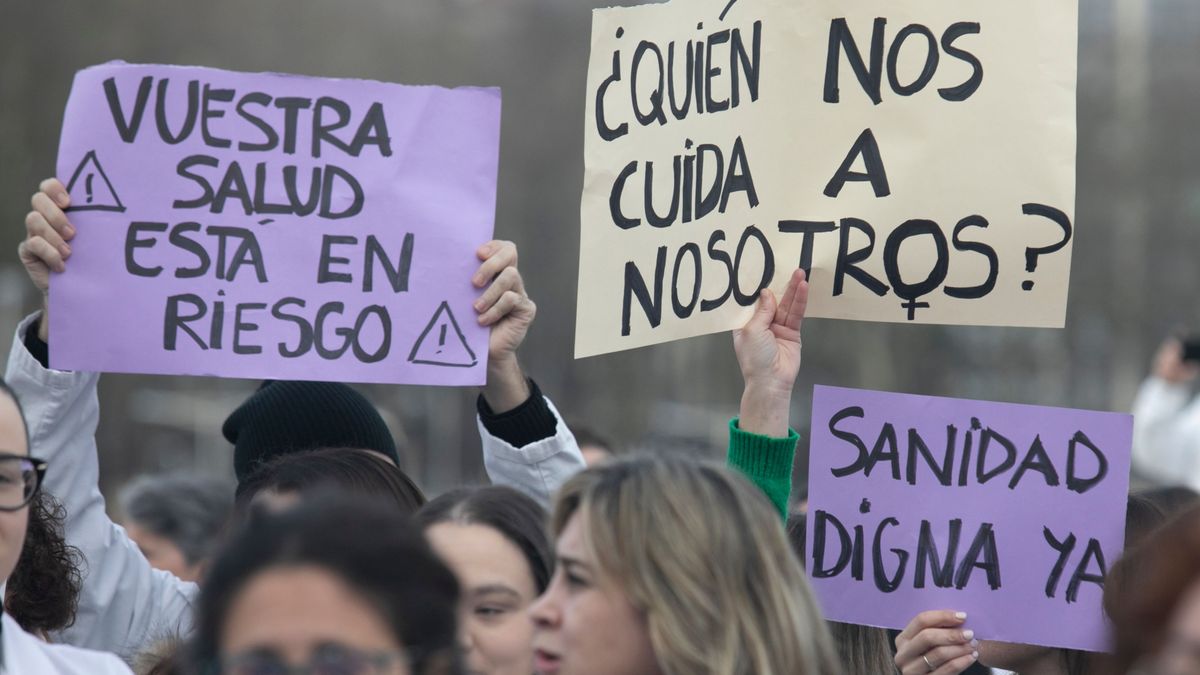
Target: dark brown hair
(1145, 587)
(43, 591)
(513, 514)
(352, 471)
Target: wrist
(502, 363)
(765, 410)
(766, 389)
(506, 387)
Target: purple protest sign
(1011, 513)
(274, 226)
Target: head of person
(20, 480)
(339, 584)
(291, 477)
(285, 417)
(42, 594)
(494, 538)
(176, 519)
(1153, 599)
(1172, 499)
(595, 448)
(664, 565)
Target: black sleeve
(37, 349)
(529, 422)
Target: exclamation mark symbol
(87, 185)
(442, 339)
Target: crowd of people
(327, 559)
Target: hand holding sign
(45, 247)
(935, 642)
(505, 307)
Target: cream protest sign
(917, 158)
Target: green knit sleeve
(766, 461)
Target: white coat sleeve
(25, 654)
(1166, 433)
(125, 605)
(537, 469)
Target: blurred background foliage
(1135, 274)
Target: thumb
(764, 312)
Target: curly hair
(43, 591)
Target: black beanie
(283, 417)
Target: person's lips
(546, 663)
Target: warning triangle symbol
(90, 188)
(442, 342)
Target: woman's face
(1181, 654)
(305, 615)
(584, 622)
(12, 523)
(498, 587)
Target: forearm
(62, 412)
(507, 387)
(765, 460)
(762, 446)
(529, 448)
(765, 409)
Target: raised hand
(768, 352)
(1170, 366)
(506, 307)
(45, 247)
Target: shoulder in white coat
(24, 654)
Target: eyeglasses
(20, 479)
(326, 660)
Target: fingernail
(61, 199)
(961, 616)
(478, 305)
(974, 643)
(480, 319)
(66, 250)
(974, 656)
(968, 634)
(70, 230)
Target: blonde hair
(703, 555)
